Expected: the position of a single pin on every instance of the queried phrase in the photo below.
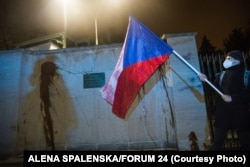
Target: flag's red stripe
(131, 79)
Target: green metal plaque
(93, 80)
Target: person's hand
(202, 76)
(227, 98)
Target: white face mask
(229, 63)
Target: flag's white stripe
(108, 90)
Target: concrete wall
(162, 116)
(188, 95)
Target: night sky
(214, 18)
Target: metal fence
(211, 65)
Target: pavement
(15, 161)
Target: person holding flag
(232, 109)
(142, 54)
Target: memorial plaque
(93, 80)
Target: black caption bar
(172, 158)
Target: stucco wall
(161, 117)
(188, 95)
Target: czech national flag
(142, 53)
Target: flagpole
(197, 72)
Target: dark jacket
(233, 114)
